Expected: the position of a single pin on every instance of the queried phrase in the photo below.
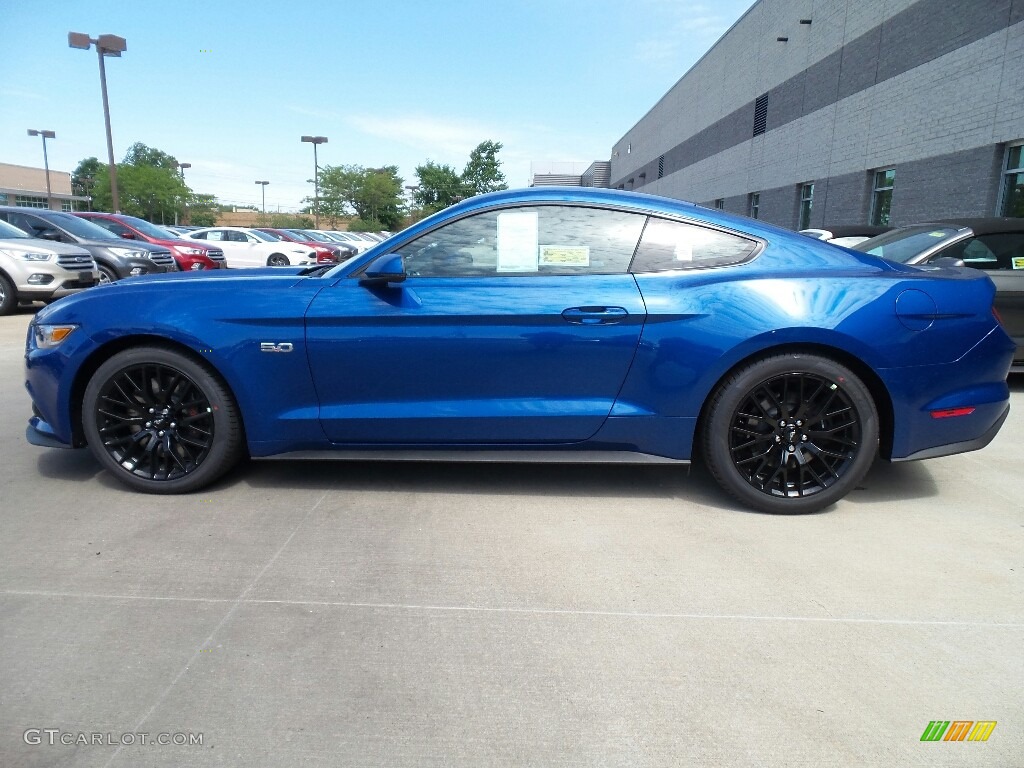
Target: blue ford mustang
(548, 324)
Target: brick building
(815, 112)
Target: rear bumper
(949, 449)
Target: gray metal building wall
(932, 88)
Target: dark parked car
(993, 245)
(190, 255)
(114, 258)
(545, 324)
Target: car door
(514, 326)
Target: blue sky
(231, 86)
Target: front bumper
(38, 432)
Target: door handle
(594, 315)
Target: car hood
(186, 285)
(36, 245)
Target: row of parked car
(46, 254)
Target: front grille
(216, 255)
(164, 259)
(76, 262)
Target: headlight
(190, 251)
(50, 336)
(127, 253)
(29, 255)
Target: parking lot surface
(468, 615)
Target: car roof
(986, 226)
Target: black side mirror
(389, 268)
(49, 234)
(947, 261)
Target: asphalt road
(467, 615)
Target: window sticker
(565, 255)
(517, 241)
(1017, 262)
(936, 234)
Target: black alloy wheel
(791, 434)
(278, 260)
(160, 421)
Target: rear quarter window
(674, 245)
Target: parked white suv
(40, 270)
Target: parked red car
(325, 254)
(190, 254)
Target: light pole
(263, 187)
(106, 45)
(181, 172)
(314, 140)
(46, 161)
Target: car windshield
(150, 230)
(907, 242)
(10, 232)
(315, 236)
(271, 236)
(80, 227)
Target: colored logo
(958, 730)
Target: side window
(1004, 250)
(214, 234)
(29, 224)
(671, 245)
(541, 240)
(112, 226)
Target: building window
(761, 115)
(68, 206)
(661, 166)
(30, 202)
(881, 197)
(753, 204)
(806, 201)
(1012, 193)
(720, 204)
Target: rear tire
(161, 422)
(790, 434)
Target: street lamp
(314, 140)
(181, 172)
(263, 186)
(106, 45)
(46, 161)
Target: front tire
(278, 260)
(8, 296)
(161, 422)
(107, 275)
(790, 434)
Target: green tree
(139, 154)
(202, 210)
(439, 186)
(483, 171)
(290, 221)
(83, 178)
(372, 194)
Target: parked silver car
(40, 270)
